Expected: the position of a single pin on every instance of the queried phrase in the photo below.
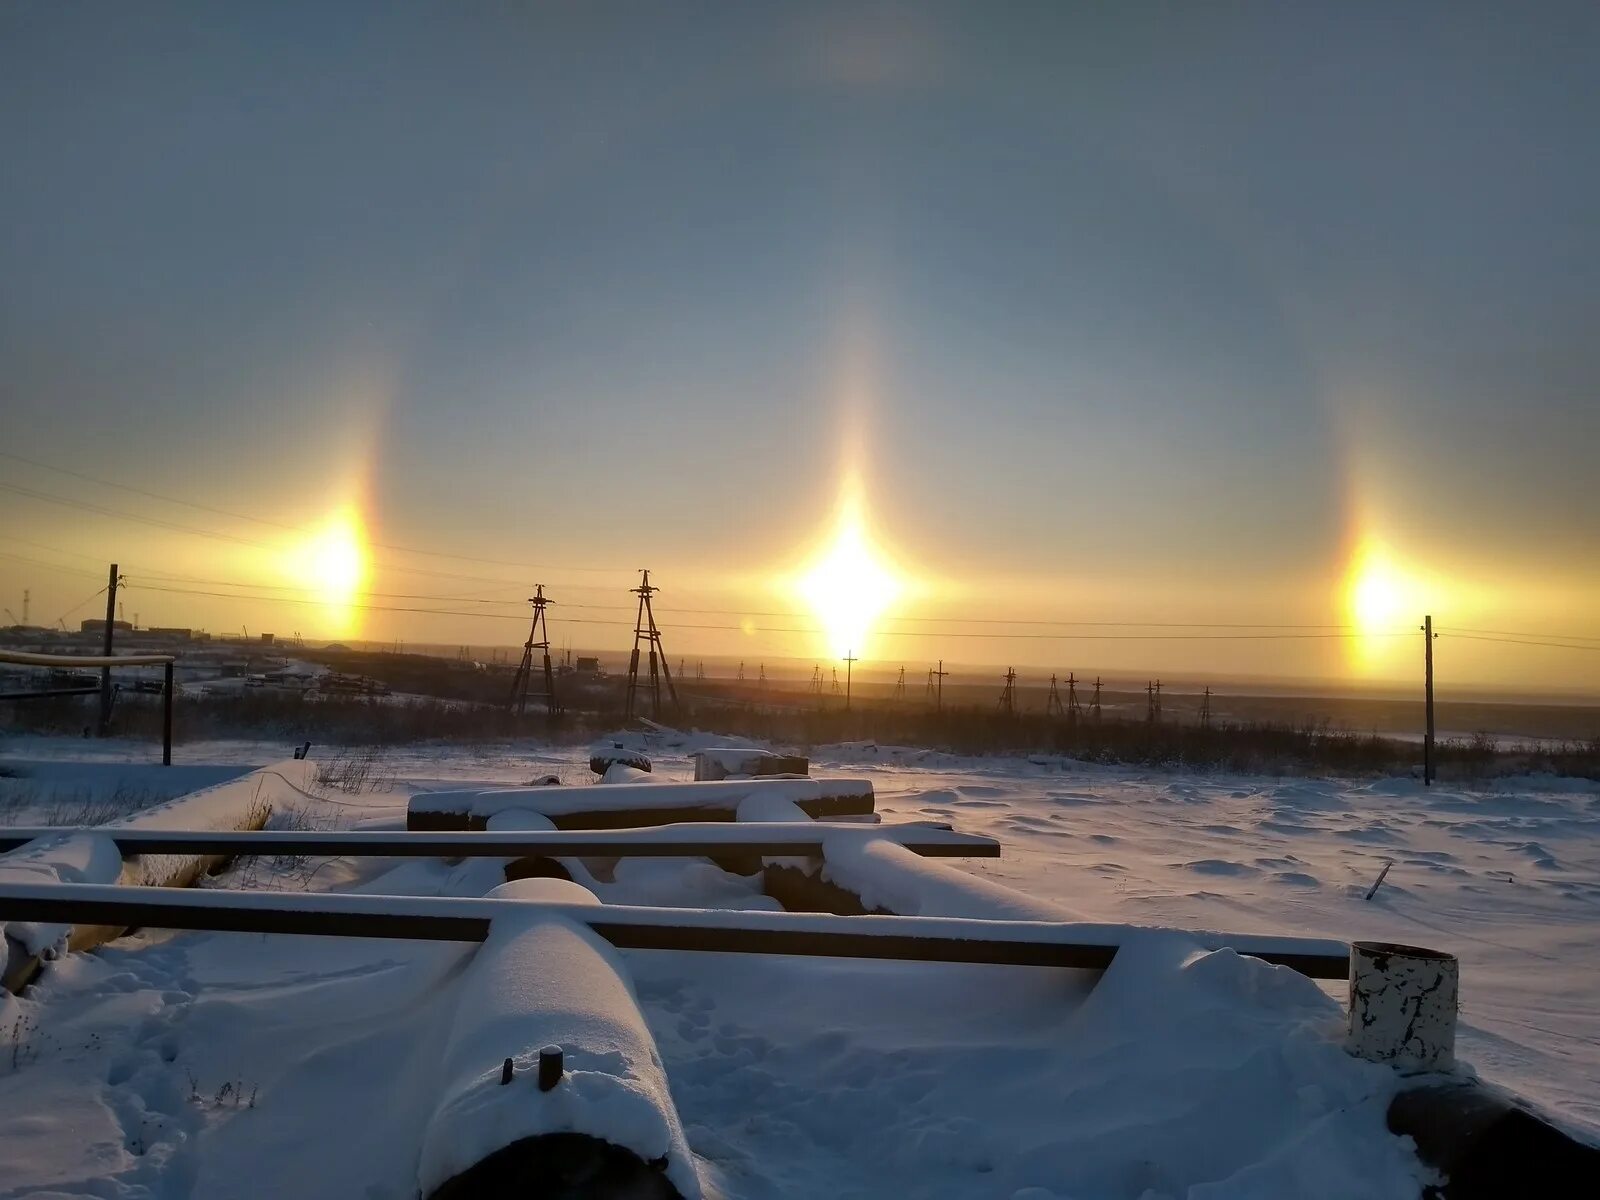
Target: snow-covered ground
(171, 1065)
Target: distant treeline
(1252, 747)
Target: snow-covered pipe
(78, 858)
(622, 805)
(238, 804)
(889, 878)
(720, 762)
(626, 773)
(607, 1127)
(1403, 1006)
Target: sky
(1218, 338)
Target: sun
(1381, 599)
(332, 563)
(849, 585)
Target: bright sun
(332, 562)
(849, 586)
(1381, 600)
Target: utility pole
(1052, 702)
(1094, 705)
(761, 680)
(938, 696)
(1427, 657)
(105, 672)
(1205, 709)
(1008, 698)
(850, 661)
(645, 632)
(1158, 700)
(741, 671)
(1073, 707)
(538, 639)
(26, 597)
(1150, 702)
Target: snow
(888, 876)
(543, 979)
(1183, 1073)
(622, 773)
(80, 858)
(723, 794)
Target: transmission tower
(900, 686)
(1008, 698)
(1094, 705)
(645, 632)
(1052, 702)
(538, 639)
(741, 670)
(816, 679)
(1150, 701)
(1073, 707)
(836, 688)
(1158, 699)
(761, 679)
(700, 669)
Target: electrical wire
(239, 516)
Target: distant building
(588, 666)
(170, 634)
(98, 625)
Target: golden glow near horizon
(1382, 599)
(332, 563)
(850, 583)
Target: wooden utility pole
(538, 639)
(1427, 659)
(1205, 709)
(938, 695)
(105, 672)
(1052, 702)
(646, 634)
(850, 661)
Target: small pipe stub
(1403, 1002)
(507, 1069)
(551, 1067)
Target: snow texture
(543, 980)
(168, 1066)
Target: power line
(1566, 637)
(78, 605)
(239, 516)
(1472, 637)
(773, 629)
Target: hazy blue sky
(1122, 311)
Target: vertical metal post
(1427, 743)
(105, 672)
(166, 721)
